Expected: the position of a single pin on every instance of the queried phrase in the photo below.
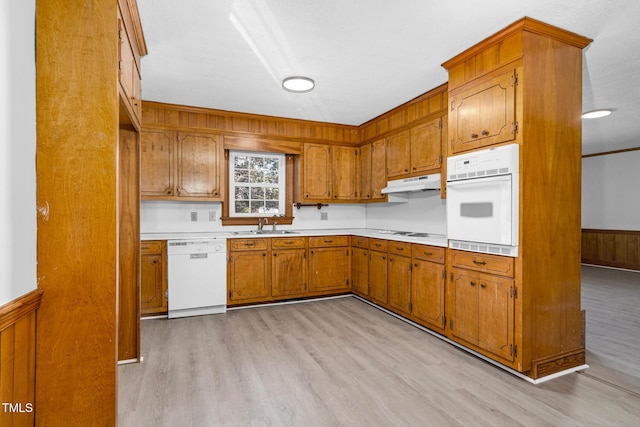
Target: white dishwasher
(197, 277)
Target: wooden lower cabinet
(153, 278)
(360, 271)
(248, 276)
(378, 277)
(427, 294)
(482, 311)
(329, 264)
(399, 277)
(289, 267)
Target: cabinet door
(427, 293)
(484, 114)
(316, 172)
(360, 271)
(345, 173)
(495, 315)
(378, 169)
(365, 172)
(398, 155)
(329, 269)
(464, 316)
(199, 166)
(153, 285)
(157, 163)
(399, 283)
(426, 146)
(288, 272)
(249, 276)
(378, 276)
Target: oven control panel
(500, 160)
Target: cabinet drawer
(428, 253)
(151, 246)
(326, 241)
(493, 264)
(249, 244)
(378, 245)
(399, 248)
(360, 242)
(288, 242)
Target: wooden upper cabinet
(426, 146)
(365, 172)
(316, 172)
(378, 170)
(398, 154)
(345, 172)
(483, 114)
(157, 164)
(129, 71)
(373, 177)
(181, 165)
(199, 158)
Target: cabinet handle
(275, 254)
(249, 244)
(328, 241)
(482, 285)
(415, 265)
(485, 133)
(384, 257)
(428, 253)
(414, 168)
(472, 283)
(474, 135)
(288, 242)
(377, 245)
(215, 193)
(406, 170)
(479, 262)
(399, 248)
(264, 254)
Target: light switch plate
(212, 215)
(324, 216)
(194, 216)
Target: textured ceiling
(369, 56)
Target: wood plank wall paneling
(156, 114)
(426, 106)
(611, 248)
(77, 198)
(18, 359)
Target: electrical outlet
(194, 216)
(212, 215)
(324, 216)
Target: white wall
(17, 149)
(425, 212)
(611, 191)
(163, 216)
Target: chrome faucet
(261, 224)
(274, 225)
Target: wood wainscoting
(611, 248)
(18, 359)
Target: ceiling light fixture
(596, 114)
(298, 84)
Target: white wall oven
(482, 201)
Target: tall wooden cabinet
(428, 286)
(524, 85)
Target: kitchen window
(256, 183)
(260, 186)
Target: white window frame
(281, 185)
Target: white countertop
(430, 239)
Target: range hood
(418, 183)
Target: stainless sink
(256, 232)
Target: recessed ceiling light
(298, 84)
(596, 114)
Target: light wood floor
(343, 362)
